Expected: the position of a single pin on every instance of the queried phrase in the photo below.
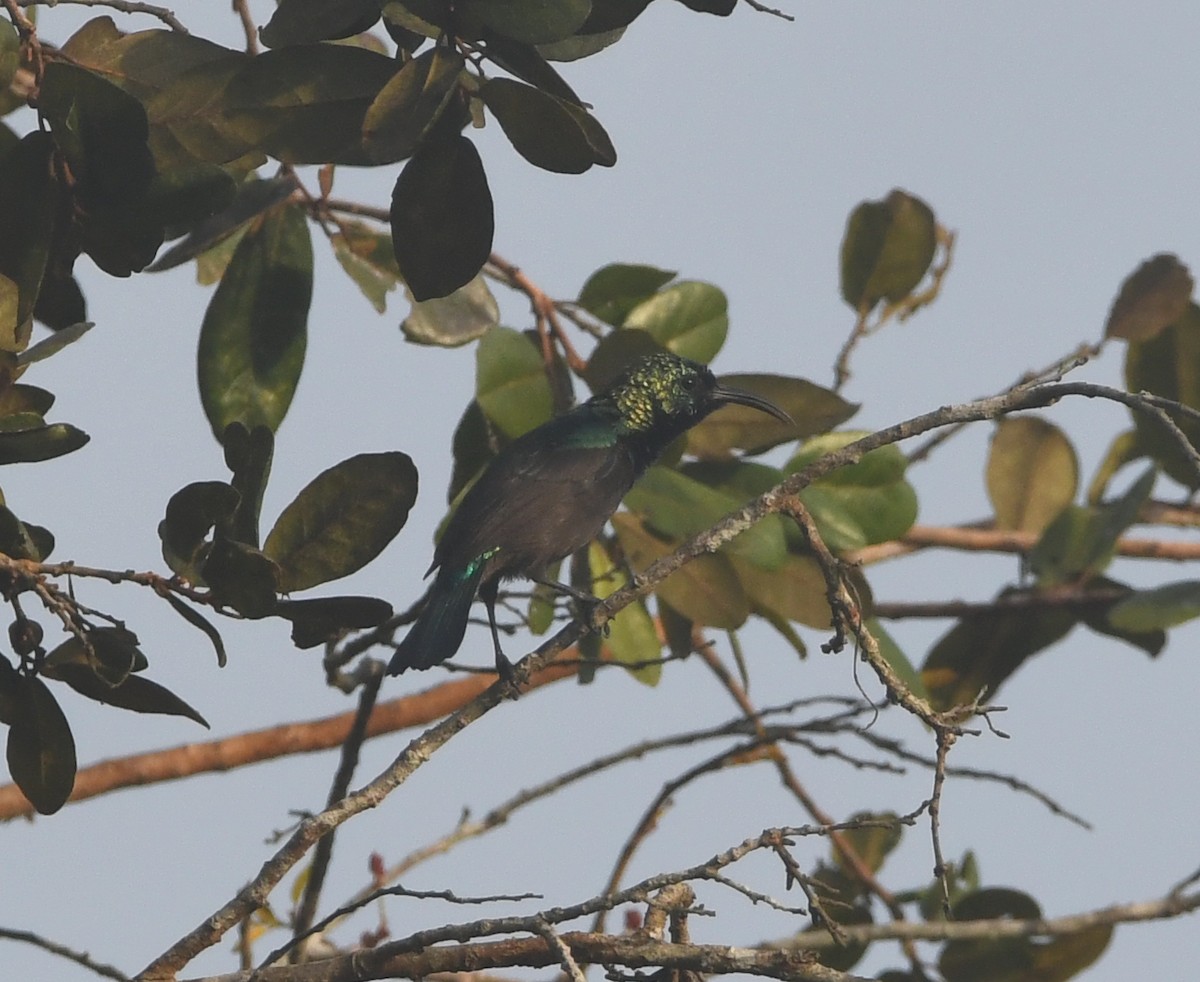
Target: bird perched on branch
(550, 491)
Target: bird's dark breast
(536, 507)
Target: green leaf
(632, 637)
(306, 21)
(248, 455)
(706, 590)
(242, 577)
(407, 107)
(113, 656)
(581, 45)
(29, 199)
(322, 619)
(191, 110)
(442, 222)
(613, 291)
(1064, 957)
(343, 519)
(690, 319)
(549, 132)
(471, 447)
(863, 503)
(678, 507)
(510, 382)
(43, 443)
(132, 692)
(1032, 473)
(888, 247)
(22, 398)
(795, 591)
(871, 844)
(1080, 542)
(198, 620)
(191, 512)
(41, 749)
(15, 539)
(1153, 296)
(721, 8)
(532, 21)
(465, 315)
(529, 64)
(813, 410)
(305, 104)
(1158, 608)
(1168, 365)
(10, 53)
(983, 650)
(254, 334)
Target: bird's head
(667, 393)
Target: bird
(551, 491)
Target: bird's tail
(439, 629)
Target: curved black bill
(725, 393)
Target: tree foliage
(142, 138)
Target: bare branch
(122, 6)
(78, 957)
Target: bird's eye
(689, 382)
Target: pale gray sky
(1058, 140)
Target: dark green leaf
(326, 618)
(141, 63)
(408, 106)
(615, 353)
(1165, 365)
(41, 750)
(22, 398)
(248, 455)
(198, 620)
(254, 334)
(1032, 473)
(1080, 542)
(242, 577)
(614, 290)
(343, 519)
(527, 63)
(43, 443)
(510, 382)
(15, 540)
(547, 131)
(981, 651)
(472, 447)
(465, 315)
(305, 104)
(813, 410)
(1064, 957)
(135, 693)
(191, 513)
(252, 199)
(722, 8)
(1151, 640)
(442, 221)
(60, 303)
(306, 21)
(29, 196)
(1153, 296)
(580, 46)
(532, 21)
(191, 110)
(887, 249)
(113, 656)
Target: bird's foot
(507, 675)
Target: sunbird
(550, 492)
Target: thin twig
(122, 6)
(54, 948)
